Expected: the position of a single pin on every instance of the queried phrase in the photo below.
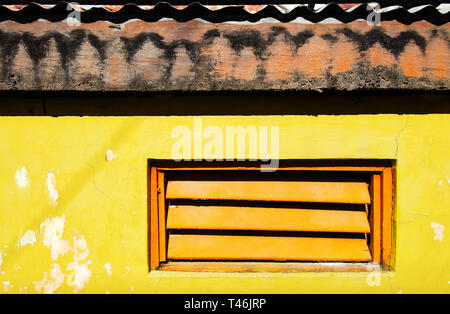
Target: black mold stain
(434, 33)
(193, 49)
(99, 45)
(442, 33)
(396, 45)
(133, 45)
(69, 44)
(251, 38)
(10, 45)
(298, 40)
(211, 34)
(237, 40)
(38, 48)
(330, 38)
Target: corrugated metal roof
(345, 13)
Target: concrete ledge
(199, 56)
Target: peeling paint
(438, 231)
(1, 260)
(48, 286)
(21, 177)
(29, 238)
(79, 267)
(374, 277)
(80, 276)
(53, 230)
(108, 268)
(110, 155)
(6, 285)
(51, 190)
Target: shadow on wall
(231, 103)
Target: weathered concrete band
(198, 56)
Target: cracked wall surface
(198, 56)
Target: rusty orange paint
(412, 61)
(315, 58)
(439, 61)
(378, 56)
(280, 64)
(344, 58)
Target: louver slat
(220, 247)
(269, 219)
(326, 192)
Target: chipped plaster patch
(51, 285)
(438, 231)
(80, 275)
(51, 190)
(29, 238)
(108, 268)
(6, 285)
(110, 155)
(374, 277)
(21, 177)
(53, 230)
(79, 267)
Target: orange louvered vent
(243, 219)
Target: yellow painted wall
(102, 205)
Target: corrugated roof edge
(60, 12)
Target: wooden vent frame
(183, 253)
